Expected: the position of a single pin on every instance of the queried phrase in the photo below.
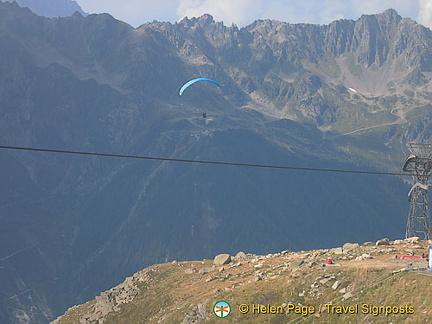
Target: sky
(244, 12)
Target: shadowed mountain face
(344, 96)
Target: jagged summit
(387, 17)
(390, 16)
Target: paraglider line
(264, 166)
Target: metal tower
(419, 163)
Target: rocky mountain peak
(201, 22)
(389, 17)
(206, 19)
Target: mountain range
(343, 96)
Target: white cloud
(425, 13)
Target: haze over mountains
(51, 8)
(347, 95)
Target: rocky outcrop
(111, 300)
(197, 315)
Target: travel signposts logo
(221, 309)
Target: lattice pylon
(418, 217)
(420, 165)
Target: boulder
(412, 240)
(240, 256)
(325, 280)
(384, 241)
(222, 259)
(336, 285)
(347, 295)
(197, 315)
(364, 256)
(350, 246)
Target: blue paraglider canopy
(189, 83)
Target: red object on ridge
(409, 256)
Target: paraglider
(189, 83)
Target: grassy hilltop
(364, 283)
